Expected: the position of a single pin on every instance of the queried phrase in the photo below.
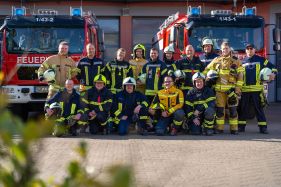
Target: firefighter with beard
(117, 70)
(252, 89)
(209, 53)
(89, 66)
(130, 107)
(70, 113)
(97, 104)
(172, 115)
(200, 107)
(137, 63)
(154, 71)
(64, 67)
(228, 87)
(189, 65)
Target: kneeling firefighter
(130, 107)
(200, 107)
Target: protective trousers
(247, 99)
(221, 104)
(207, 119)
(99, 123)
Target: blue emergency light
(249, 11)
(76, 11)
(194, 10)
(18, 11)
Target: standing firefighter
(154, 72)
(200, 106)
(137, 63)
(89, 66)
(63, 66)
(65, 105)
(189, 65)
(116, 71)
(130, 107)
(228, 87)
(252, 89)
(97, 101)
(169, 59)
(209, 53)
(171, 100)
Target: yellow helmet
(139, 46)
(100, 78)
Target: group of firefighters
(164, 97)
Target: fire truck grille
(28, 72)
(39, 95)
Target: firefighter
(117, 70)
(172, 101)
(209, 52)
(64, 67)
(137, 63)
(252, 89)
(97, 101)
(71, 110)
(200, 106)
(89, 66)
(228, 87)
(189, 65)
(154, 71)
(130, 106)
(169, 59)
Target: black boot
(234, 132)
(241, 128)
(209, 132)
(263, 130)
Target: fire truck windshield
(43, 40)
(238, 37)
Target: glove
(211, 82)
(232, 97)
(233, 69)
(41, 78)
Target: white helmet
(129, 80)
(49, 75)
(207, 41)
(198, 75)
(264, 74)
(169, 48)
(55, 105)
(212, 74)
(179, 74)
(142, 78)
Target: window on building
(111, 30)
(144, 28)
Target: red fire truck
(27, 40)
(238, 29)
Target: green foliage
(17, 163)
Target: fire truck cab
(238, 29)
(27, 40)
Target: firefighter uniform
(230, 72)
(89, 68)
(70, 106)
(172, 100)
(252, 90)
(189, 67)
(124, 105)
(115, 72)
(171, 65)
(64, 67)
(100, 101)
(137, 64)
(155, 72)
(206, 58)
(202, 100)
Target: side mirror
(173, 34)
(276, 35)
(101, 40)
(277, 47)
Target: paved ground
(249, 159)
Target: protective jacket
(115, 72)
(137, 65)
(155, 73)
(89, 69)
(189, 67)
(171, 65)
(206, 58)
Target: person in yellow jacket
(171, 100)
(228, 87)
(64, 67)
(137, 63)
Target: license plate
(41, 89)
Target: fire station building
(129, 22)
